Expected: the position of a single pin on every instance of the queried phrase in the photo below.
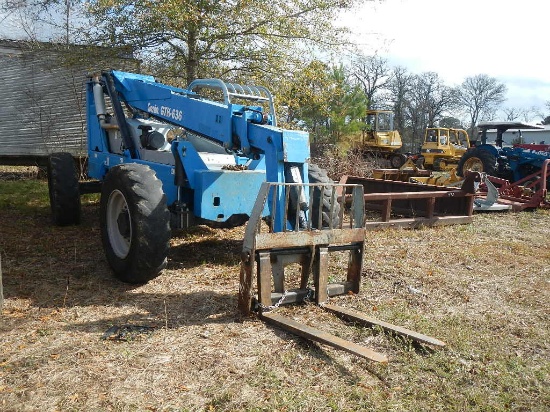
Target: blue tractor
(509, 162)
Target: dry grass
(483, 288)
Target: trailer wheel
(135, 223)
(477, 161)
(63, 188)
(322, 205)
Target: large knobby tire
(322, 204)
(63, 188)
(477, 160)
(135, 223)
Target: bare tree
(450, 122)
(60, 21)
(416, 110)
(373, 74)
(398, 88)
(422, 100)
(479, 96)
(511, 113)
(438, 98)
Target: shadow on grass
(199, 252)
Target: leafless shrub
(338, 162)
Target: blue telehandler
(164, 157)
(167, 158)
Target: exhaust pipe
(105, 121)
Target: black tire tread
(150, 222)
(397, 160)
(63, 188)
(318, 175)
(487, 159)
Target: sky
(460, 38)
(504, 39)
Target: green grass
(24, 195)
(28, 196)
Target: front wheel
(477, 160)
(440, 164)
(419, 162)
(135, 223)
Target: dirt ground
(72, 338)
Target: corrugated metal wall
(536, 136)
(42, 98)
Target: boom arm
(244, 129)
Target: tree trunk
(191, 68)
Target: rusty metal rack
(265, 255)
(410, 205)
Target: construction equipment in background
(443, 148)
(440, 179)
(212, 153)
(380, 139)
(406, 172)
(411, 172)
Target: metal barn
(42, 99)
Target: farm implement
(527, 193)
(519, 171)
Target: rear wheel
(63, 188)
(477, 161)
(135, 223)
(321, 202)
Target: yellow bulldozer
(443, 148)
(380, 139)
